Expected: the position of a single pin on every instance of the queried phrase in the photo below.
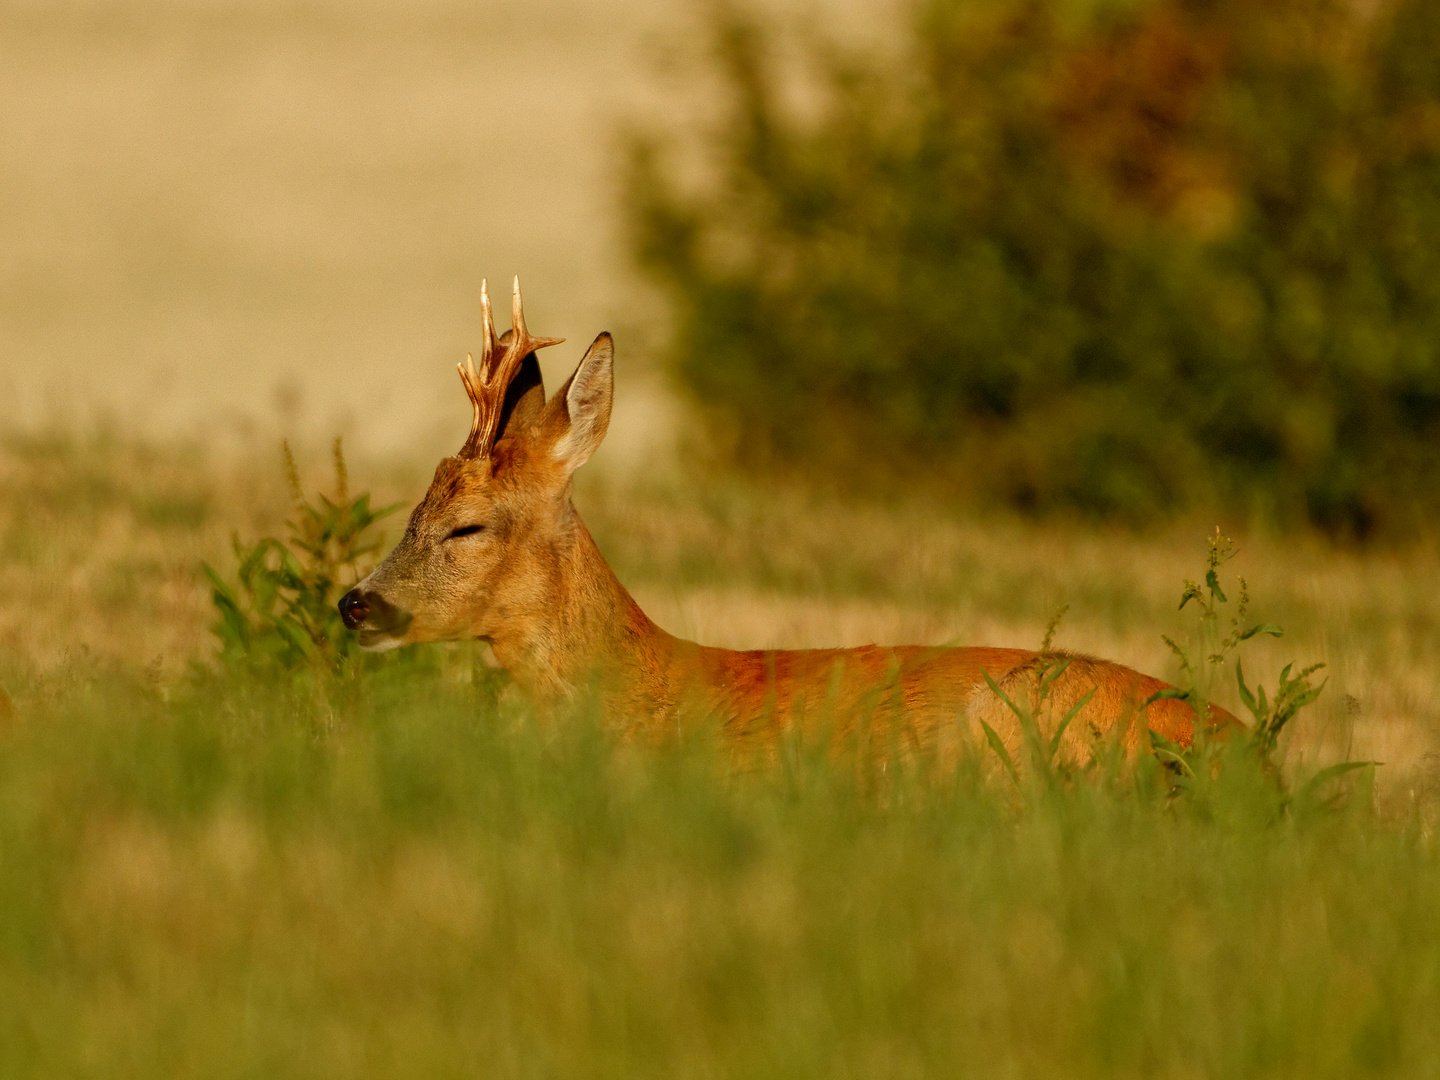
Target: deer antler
(487, 384)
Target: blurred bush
(1117, 258)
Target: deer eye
(464, 530)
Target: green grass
(395, 871)
(392, 877)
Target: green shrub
(281, 609)
(1123, 259)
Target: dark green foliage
(281, 609)
(1115, 258)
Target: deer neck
(584, 631)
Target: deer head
(483, 552)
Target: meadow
(396, 871)
(216, 212)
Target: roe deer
(496, 551)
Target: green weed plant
(1259, 744)
(1194, 771)
(280, 611)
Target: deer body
(496, 551)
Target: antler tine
(487, 317)
(517, 312)
(487, 385)
(479, 400)
(521, 343)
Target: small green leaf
(1308, 790)
(1308, 697)
(999, 748)
(1261, 628)
(1169, 693)
(1054, 672)
(1002, 696)
(1245, 695)
(1172, 758)
(1213, 580)
(1167, 751)
(1073, 712)
(1160, 742)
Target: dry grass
(102, 541)
(231, 875)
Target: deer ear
(584, 404)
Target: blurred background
(1113, 258)
(1122, 260)
(224, 220)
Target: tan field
(224, 218)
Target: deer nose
(353, 609)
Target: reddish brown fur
(533, 583)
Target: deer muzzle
(380, 623)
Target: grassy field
(398, 874)
(235, 219)
(101, 541)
